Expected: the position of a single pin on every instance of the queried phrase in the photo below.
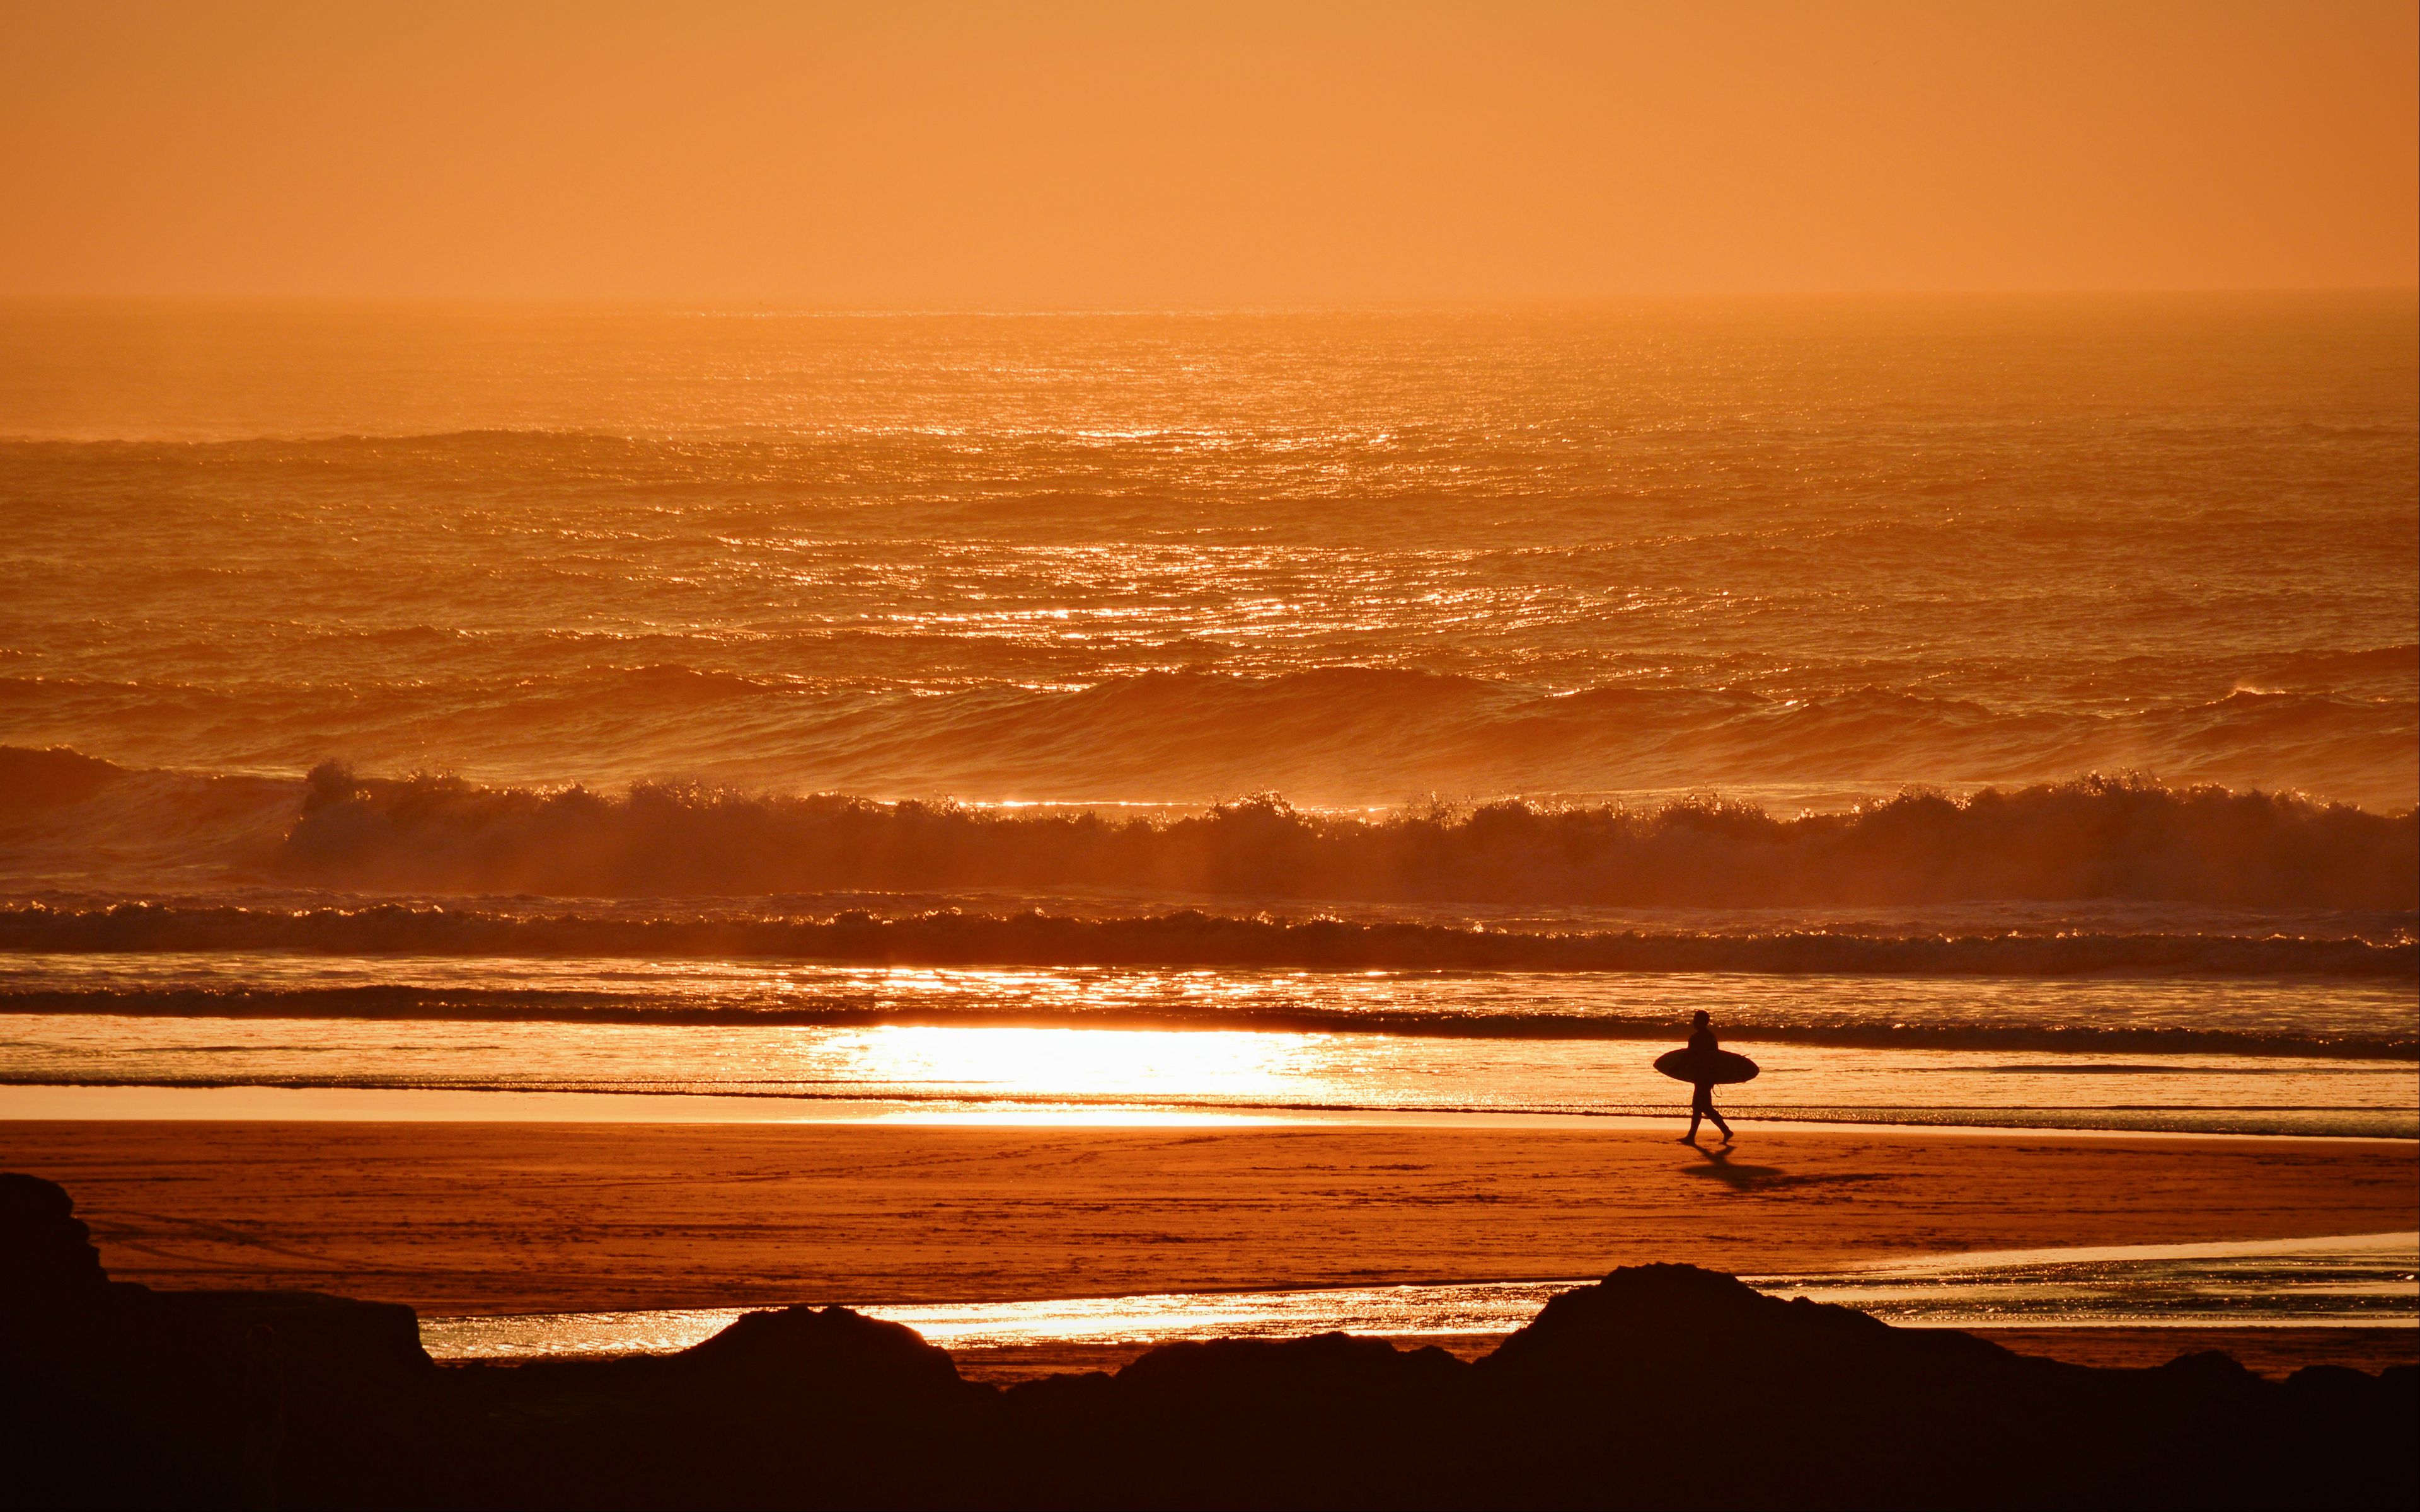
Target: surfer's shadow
(1719, 1167)
(1760, 1179)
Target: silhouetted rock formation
(44, 1251)
(1709, 1393)
(1663, 1385)
(113, 1393)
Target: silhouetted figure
(1702, 1106)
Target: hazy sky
(1109, 155)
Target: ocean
(1997, 711)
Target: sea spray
(2095, 838)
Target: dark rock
(1284, 1374)
(1659, 1386)
(1325, 1421)
(46, 1254)
(811, 1349)
(2211, 1369)
(1680, 1328)
(115, 1393)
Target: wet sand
(461, 1218)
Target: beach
(463, 1218)
(806, 756)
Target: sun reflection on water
(1039, 1062)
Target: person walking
(1702, 1049)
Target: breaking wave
(2125, 839)
(2092, 838)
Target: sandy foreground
(456, 1218)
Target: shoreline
(56, 1101)
(2331, 1300)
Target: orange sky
(1109, 155)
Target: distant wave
(32, 780)
(879, 709)
(1183, 938)
(472, 1005)
(488, 444)
(2400, 663)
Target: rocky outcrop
(112, 1394)
(45, 1251)
(1708, 1393)
(809, 1348)
(1659, 1386)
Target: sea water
(2002, 705)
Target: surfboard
(1722, 1067)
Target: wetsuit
(1702, 1047)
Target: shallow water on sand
(2359, 1018)
(2214, 1057)
(2367, 1280)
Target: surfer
(1702, 1050)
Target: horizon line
(780, 305)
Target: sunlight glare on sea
(1375, 711)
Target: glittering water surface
(1049, 1042)
(1789, 548)
(2366, 1279)
(1069, 571)
(2358, 1280)
(2253, 1016)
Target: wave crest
(2095, 838)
